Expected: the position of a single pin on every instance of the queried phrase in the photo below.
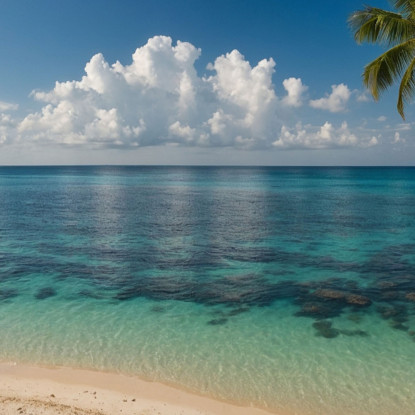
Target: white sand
(51, 391)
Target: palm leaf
(407, 87)
(381, 26)
(407, 7)
(384, 70)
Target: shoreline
(40, 390)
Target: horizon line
(211, 165)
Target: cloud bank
(159, 99)
(317, 138)
(6, 106)
(334, 102)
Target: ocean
(286, 288)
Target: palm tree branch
(406, 88)
(384, 70)
(407, 7)
(380, 26)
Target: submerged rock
(237, 311)
(322, 324)
(312, 309)
(356, 318)
(389, 295)
(398, 326)
(324, 329)
(45, 293)
(329, 333)
(386, 312)
(90, 294)
(401, 318)
(352, 285)
(399, 313)
(217, 321)
(330, 294)
(129, 293)
(386, 285)
(410, 296)
(158, 309)
(359, 300)
(7, 293)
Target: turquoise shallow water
(286, 288)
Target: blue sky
(198, 103)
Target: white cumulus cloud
(334, 102)
(398, 139)
(362, 96)
(158, 98)
(295, 90)
(7, 106)
(7, 129)
(325, 136)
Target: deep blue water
(289, 288)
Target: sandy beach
(45, 391)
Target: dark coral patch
(237, 311)
(322, 324)
(358, 300)
(356, 318)
(397, 313)
(330, 294)
(217, 321)
(90, 294)
(389, 296)
(44, 293)
(158, 309)
(410, 296)
(386, 285)
(7, 293)
(318, 310)
(398, 325)
(324, 329)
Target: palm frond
(380, 26)
(406, 7)
(407, 88)
(384, 70)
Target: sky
(218, 82)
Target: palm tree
(397, 31)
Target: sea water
(284, 288)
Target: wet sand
(35, 390)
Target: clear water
(284, 288)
